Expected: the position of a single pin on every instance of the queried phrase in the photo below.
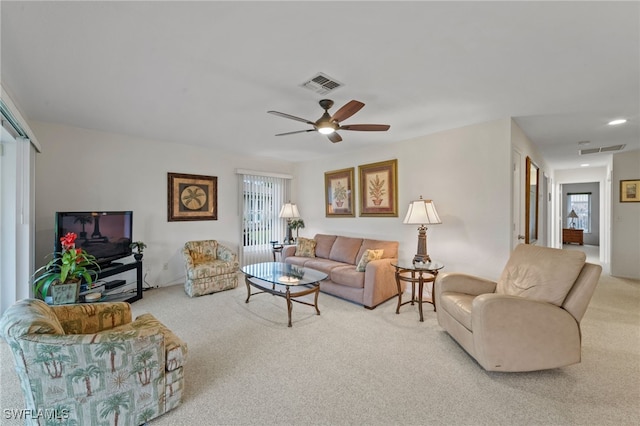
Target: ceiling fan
(329, 124)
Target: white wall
(625, 234)
(81, 170)
(525, 148)
(466, 172)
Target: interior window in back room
(581, 205)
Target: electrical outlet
(165, 266)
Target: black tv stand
(118, 268)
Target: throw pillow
(367, 257)
(306, 247)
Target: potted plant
(139, 247)
(339, 194)
(376, 190)
(64, 273)
(296, 224)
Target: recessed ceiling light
(617, 121)
(582, 143)
(584, 165)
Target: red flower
(68, 241)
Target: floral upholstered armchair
(90, 364)
(210, 267)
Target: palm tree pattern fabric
(210, 267)
(89, 364)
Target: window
(581, 204)
(262, 197)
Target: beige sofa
(337, 256)
(528, 320)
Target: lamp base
(421, 255)
(289, 238)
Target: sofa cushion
(306, 247)
(390, 248)
(323, 265)
(367, 257)
(347, 276)
(298, 261)
(345, 249)
(324, 244)
(541, 273)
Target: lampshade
(573, 214)
(289, 211)
(422, 212)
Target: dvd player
(114, 284)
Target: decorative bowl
(93, 297)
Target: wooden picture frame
(191, 197)
(339, 193)
(379, 189)
(630, 191)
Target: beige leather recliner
(528, 320)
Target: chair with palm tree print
(90, 364)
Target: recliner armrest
(456, 282)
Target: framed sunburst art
(192, 197)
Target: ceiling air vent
(322, 84)
(601, 149)
(611, 148)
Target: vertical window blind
(262, 197)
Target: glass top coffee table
(279, 279)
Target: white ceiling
(206, 73)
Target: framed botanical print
(630, 191)
(379, 189)
(192, 197)
(339, 193)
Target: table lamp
(573, 217)
(422, 212)
(289, 211)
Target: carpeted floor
(352, 366)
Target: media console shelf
(115, 269)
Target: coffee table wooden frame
(290, 296)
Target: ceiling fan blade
(292, 117)
(366, 127)
(347, 110)
(297, 131)
(334, 137)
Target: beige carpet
(352, 366)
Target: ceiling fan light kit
(329, 124)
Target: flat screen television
(105, 235)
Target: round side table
(419, 274)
